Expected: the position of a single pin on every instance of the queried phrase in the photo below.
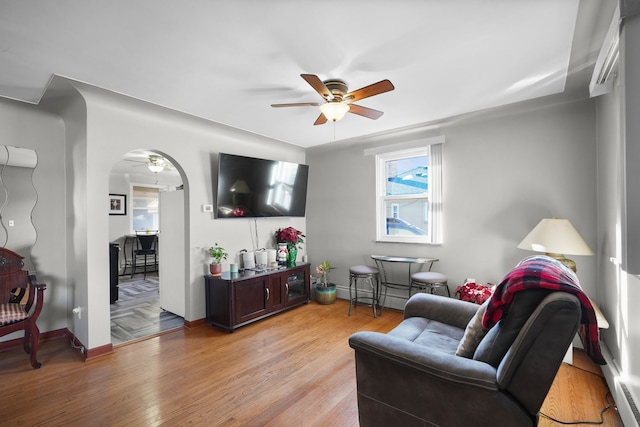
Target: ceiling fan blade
(140, 161)
(299, 104)
(369, 113)
(371, 90)
(320, 120)
(318, 85)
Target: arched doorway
(148, 300)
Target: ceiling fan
(338, 101)
(154, 162)
(157, 163)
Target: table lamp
(556, 237)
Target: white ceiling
(228, 60)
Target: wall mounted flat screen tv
(251, 187)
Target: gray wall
(504, 170)
(618, 221)
(18, 198)
(25, 126)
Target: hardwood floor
(293, 369)
(580, 396)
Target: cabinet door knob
(286, 286)
(267, 289)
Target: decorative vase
(292, 253)
(215, 269)
(325, 294)
(281, 255)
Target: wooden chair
(18, 292)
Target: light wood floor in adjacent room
(294, 369)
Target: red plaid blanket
(545, 272)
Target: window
(144, 208)
(409, 195)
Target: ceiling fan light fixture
(156, 163)
(334, 111)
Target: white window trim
(402, 146)
(160, 188)
(434, 193)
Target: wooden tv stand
(242, 298)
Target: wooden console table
(237, 299)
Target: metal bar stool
(430, 280)
(370, 274)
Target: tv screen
(251, 187)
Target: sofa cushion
(498, 339)
(429, 333)
(473, 334)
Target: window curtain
(435, 188)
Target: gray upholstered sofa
(413, 377)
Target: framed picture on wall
(117, 204)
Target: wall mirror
(18, 198)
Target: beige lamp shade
(556, 237)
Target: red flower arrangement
(289, 235)
(474, 292)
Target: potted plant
(218, 254)
(325, 291)
(292, 238)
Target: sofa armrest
(446, 310)
(444, 366)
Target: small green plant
(218, 253)
(323, 269)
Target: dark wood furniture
(236, 299)
(114, 253)
(18, 293)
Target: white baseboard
(391, 301)
(621, 395)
